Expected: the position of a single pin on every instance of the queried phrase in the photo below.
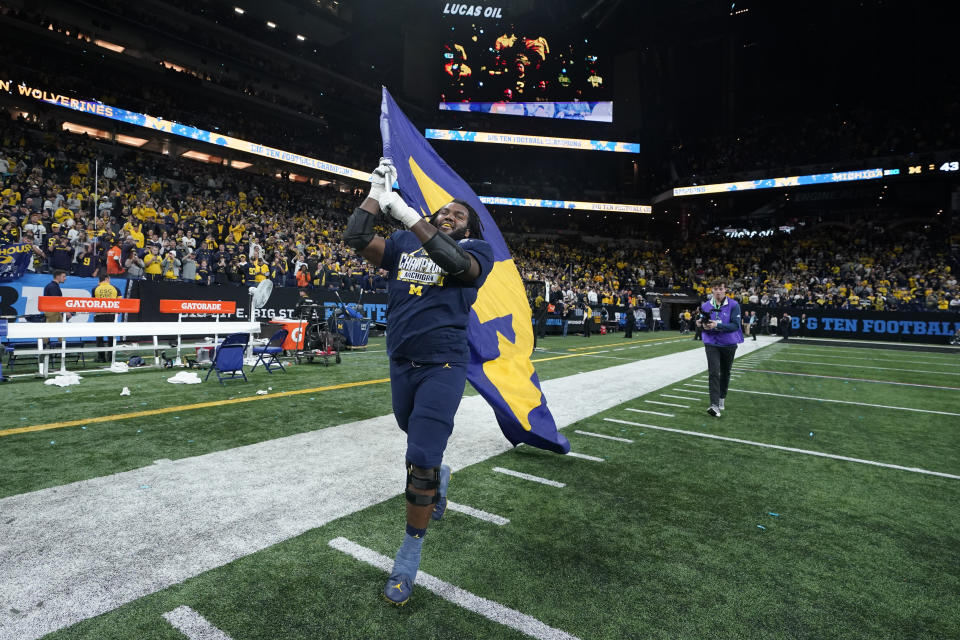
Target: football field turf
(822, 504)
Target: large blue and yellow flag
(500, 330)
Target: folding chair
(228, 358)
(272, 350)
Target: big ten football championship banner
(31, 90)
(20, 299)
(499, 330)
(929, 327)
(283, 302)
(14, 259)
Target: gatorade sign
(198, 306)
(88, 305)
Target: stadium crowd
(162, 218)
(169, 219)
(866, 266)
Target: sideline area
(159, 525)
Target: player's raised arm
(359, 234)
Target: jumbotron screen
(523, 67)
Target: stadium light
(300, 38)
(532, 140)
(116, 48)
(271, 25)
(238, 10)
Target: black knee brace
(420, 478)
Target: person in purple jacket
(720, 321)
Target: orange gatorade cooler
(296, 330)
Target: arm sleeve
(447, 253)
(359, 231)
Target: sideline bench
(116, 330)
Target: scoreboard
(946, 167)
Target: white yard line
(531, 478)
(88, 547)
(947, 357)
(477, 513)
(706, 393)
(605, 437)
(585, 354)
(813, 375)
(694, 384)
(861, 404)
(489, 609)
(593, 355)
(667, 395)
(875, 359)
(655, 413)
(863, 366)
(667, 404)
(584, 456)
(193, 625)
(790, 449)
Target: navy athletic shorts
(425, 399)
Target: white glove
(382, 178)
(393, 205)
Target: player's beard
(456, 234)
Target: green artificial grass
(671, 536)
(52, 457)
(658, 541)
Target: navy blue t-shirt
(52, 288)
(428, 308)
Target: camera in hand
(705, 316)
